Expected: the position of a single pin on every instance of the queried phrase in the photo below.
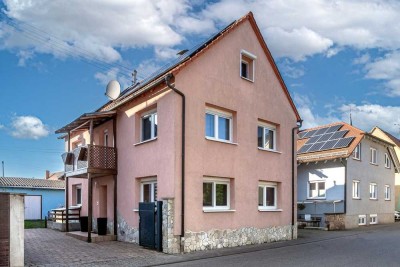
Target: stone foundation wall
(335, 221)
(214, 239)
(125, 232)
(62, 226)
(171, 242)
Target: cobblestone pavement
(46, 247)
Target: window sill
(135, 210)
(221, 141)
(357, 159)
(144, 142)
(266, 210)
(387, 199)
(356, 198)
(317, 198)
(375, 199)
(375, 164)
(216, 210)
(247, 79)
(269, 150)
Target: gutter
(172, 87)
(294, 157)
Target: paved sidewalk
(45, 247)
(54, 248)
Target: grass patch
(34, 224)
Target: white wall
(17, 208)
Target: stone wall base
(62, 226)
(335, 221)
(214, 239)
(126, 233)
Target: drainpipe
(294, 159)
(172, 87)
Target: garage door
(33, 207)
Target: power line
(59, 45)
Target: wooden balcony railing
(90, 156)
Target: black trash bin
(83, 221)
(101, 226)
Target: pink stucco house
(212, 136)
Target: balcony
(93, 159)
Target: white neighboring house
(345, 177)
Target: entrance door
(103, 201)
(33, 207)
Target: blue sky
(56, 58)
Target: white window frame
(217, 113)
(252, 58)
(356, 189)
(387, 161)
(214, 182)
(269, 127)
(317, 188)
(152, 113)
(373, 191)
(362, 219)
(148, 181)
(264, 186)
(374, 156)
(78, 201)
(387, 192)
(373, 218)
(357, 152)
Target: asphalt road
(377, 245)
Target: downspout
(167, 81)
(294, 159)
(345, 187)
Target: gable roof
(31, 183)
(395, 140)
(175, 66)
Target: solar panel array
(325, 139)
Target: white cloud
(105, 77)
(364, 116)
(307, 112)
(307, 42)
(1, 126)
(291, 70)
(386, 69)
(28, 127)
(24, 56)
(164, 53)
(369, 115)
(90, 29)
(364, 59)
(316, 24)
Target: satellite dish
(113, 90)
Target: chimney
(47, 174)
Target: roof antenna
(134, 79)
(351, 120)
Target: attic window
(247, 65)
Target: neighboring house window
(316, 190)
(373, 219)
(362, 219)
(387, 161)
(78, 195)
(374, 156)
(356, 189)
(387, 192)
(149, 125)
(216, 193)
(357, 152)
(218, 125)
(148, 191)
(266, 135)
(267, 196)
(373, 191)
(247, 65)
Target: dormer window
(247, 65)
